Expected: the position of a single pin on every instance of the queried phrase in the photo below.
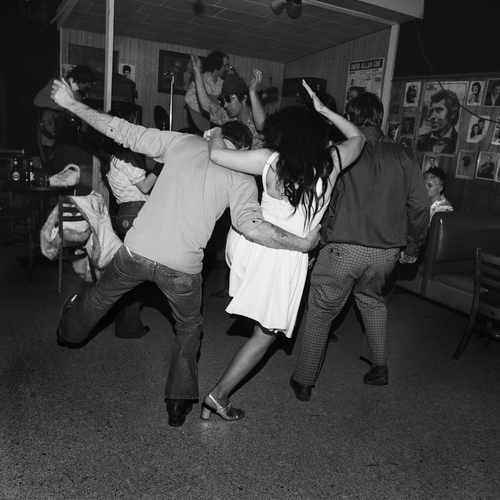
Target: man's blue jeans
(183, 292)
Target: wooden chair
(485, 313)
(68, 245)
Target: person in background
(213, 71)
(435, 183)
(55, 123)
(130, 184)
(379, 212)
(237, 101)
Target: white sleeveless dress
(267, 284)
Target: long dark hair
(299, 135)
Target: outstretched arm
(258, 112)
(249, 162)
(350, 149)
(64, 97)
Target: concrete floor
(91, 423)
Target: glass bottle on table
(31, 174)
(16, 172)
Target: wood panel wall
(332, 64)
(144, 55)
(469, 195)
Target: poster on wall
(367, 75)
(496, 134)
(392, 130)
(486, 165)
(476, 93)
(466, 164)
(412, 94)
(439, 117)
(92, 57)
(492, 97)
(478, 128)
(428, 162)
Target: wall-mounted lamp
(293, 7)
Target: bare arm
(258, 112)
(352, 147)
(249, 162)
(64, 97)
(146, 185)
(272, 236)
(201, 92)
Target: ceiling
(246, 28)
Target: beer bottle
(31, 173)
(16, 173)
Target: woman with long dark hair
(299, 167)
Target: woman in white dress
(299, 169)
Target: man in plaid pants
(379, 213)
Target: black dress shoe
(68, 304)
(177, 410)
(302, 392)
(377, 376)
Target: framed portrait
(408, 125)
(392, 130)
(487, 165)
(440, 112)
(496, 134)
(412, 94)
(478, 128)
(466, 164)
(476, 93)
(174, 72)
(429, 161)
(492, 94)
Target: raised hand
(318, 105)
(62, 94)
(256, 80)
(197, 64)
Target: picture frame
(174, 65)
(434, 124)
(487, 165)
(429, 161)
(466, 164)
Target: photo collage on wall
(433, 118)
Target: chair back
(74, 229)
(487, 271)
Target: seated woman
(130, 184)
(435, 182)
(299, 167)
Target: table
(42, 193)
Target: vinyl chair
(485, 312)
(68, 214)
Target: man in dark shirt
(378, 213)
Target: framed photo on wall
(174, 72)
(429, 161)
(466, 164)
(486, 165)
(439, 117)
